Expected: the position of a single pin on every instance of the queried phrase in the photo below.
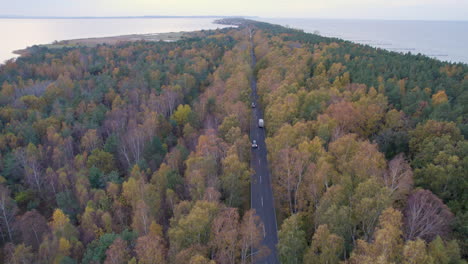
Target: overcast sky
(364, 9)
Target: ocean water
(21, 33)
(443, 40)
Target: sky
(357, 9)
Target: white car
(253, 105)
(254, 144)
(261, 123)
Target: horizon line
(219, 16)
(107, 17)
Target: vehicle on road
(253, 105)
(261, 123)
(254, 144)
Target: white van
(261, 124)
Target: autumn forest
(139, 152)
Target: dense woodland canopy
(139, 152)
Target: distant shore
(92, 42)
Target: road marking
(262, 201)
(260, 178)
(259, 162)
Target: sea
(443, 40)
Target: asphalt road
(261, 191)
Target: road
(261, 191)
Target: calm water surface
(444, 40)
(21, 33)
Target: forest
(139, 152)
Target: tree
(359, 160)
(33, 226)
(30, 159)
(151, 249)
(439, 98)
(90, 140)
(228, 123)
(387, 245)
(316, 176)
(61, 226)
(96, 250)
(7, 213)
(63, 249)
(7, 89)
(117, 252)
(325, 248)
(283, 110)
(427, 139)
(66, 201)
(185, 256)
(176, 157)
(197, 173)
(136, 189)
(415, 252)
(334, 211)
(101, 160)
(182, 114)
(89, 224)
(348, 117)
(132, 142)
(48, 249)
(399, 177)
(96, 178)
(438, 150)
(251, 236)
(141, 218)
(224, 236)
(426, 216)
(393, 136)
(201, 173)
(19, 254)
(290, 170)
(388, 242)
(235, 181)
(154, 153)
(445, 252)
(198, 259)
(193, 227)
(370, 198)
(291, 240)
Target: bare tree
(117, 252)
(132, 144)
(30, 159)
(399, 177)
(172, 99)
(136, 135)
(116, 120)
(251, 235)
(224, 236)
(289, 172)
(426, 216)
(7, 213)
(33, 226)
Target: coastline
(110, 40)
(437, 54)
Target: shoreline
(110, 40)
(229, 22)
